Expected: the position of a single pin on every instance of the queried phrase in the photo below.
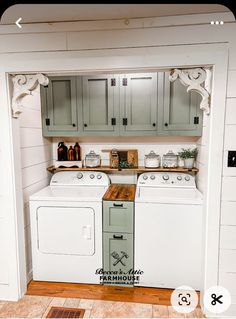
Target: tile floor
(38, 307)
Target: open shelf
(139, 169)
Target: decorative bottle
(77, 152)
(71, 156)
(62, 152)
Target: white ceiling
(77, 12)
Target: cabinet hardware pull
(196, 120)
(117, 205)
(125, 121)
(113, 82)
(113, 121)
(154, 124)
(85, 125)
(166, 124)
(47, 122)
(124, 82)
(118, 236)
(73, 125)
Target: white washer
(66, 227)
(168, 230)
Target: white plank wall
(36, 156)
(227, 261)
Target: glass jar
(170, 160)
(114, 158)
(92, 159)
(152, 160)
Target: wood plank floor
(154, 296)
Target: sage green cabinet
(100, 104)
(139, 94)
(118, 239)
(60, 107)
(180, 113)
(118, 216)
(118, 252)
(139, 104)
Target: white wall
(227, 260)
(36, 156)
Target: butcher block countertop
(123, 192)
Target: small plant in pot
(189, 156)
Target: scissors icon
(216, 299)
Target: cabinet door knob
(73, 125)
(166, 124)
(154, 124)
(85, 125)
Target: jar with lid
(114, 158)
(152, 160)
(170, 160)
(92, 159)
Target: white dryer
(66, 227)
(168, 230)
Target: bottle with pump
(77, 152)
(71, 156)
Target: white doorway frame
(118, 60)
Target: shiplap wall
(36, 156)
(227, 260)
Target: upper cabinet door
(61, 104)
(181, 109)
(100, 104)
(139, 101)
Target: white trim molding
(193, 79)
(23, 85)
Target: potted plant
(189, 156)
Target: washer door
(66, 230)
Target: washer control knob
(152, 177)
(187, 178)
(79, 175)
(99, 176)
(165, 177)
(92, 176)
(179, 178)
(145, 177)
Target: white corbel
(23, 85)
(194, 79)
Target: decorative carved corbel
(24, 85)
(193, 79)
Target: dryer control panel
(166, 179)
(80, 178)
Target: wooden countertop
(123, 192)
